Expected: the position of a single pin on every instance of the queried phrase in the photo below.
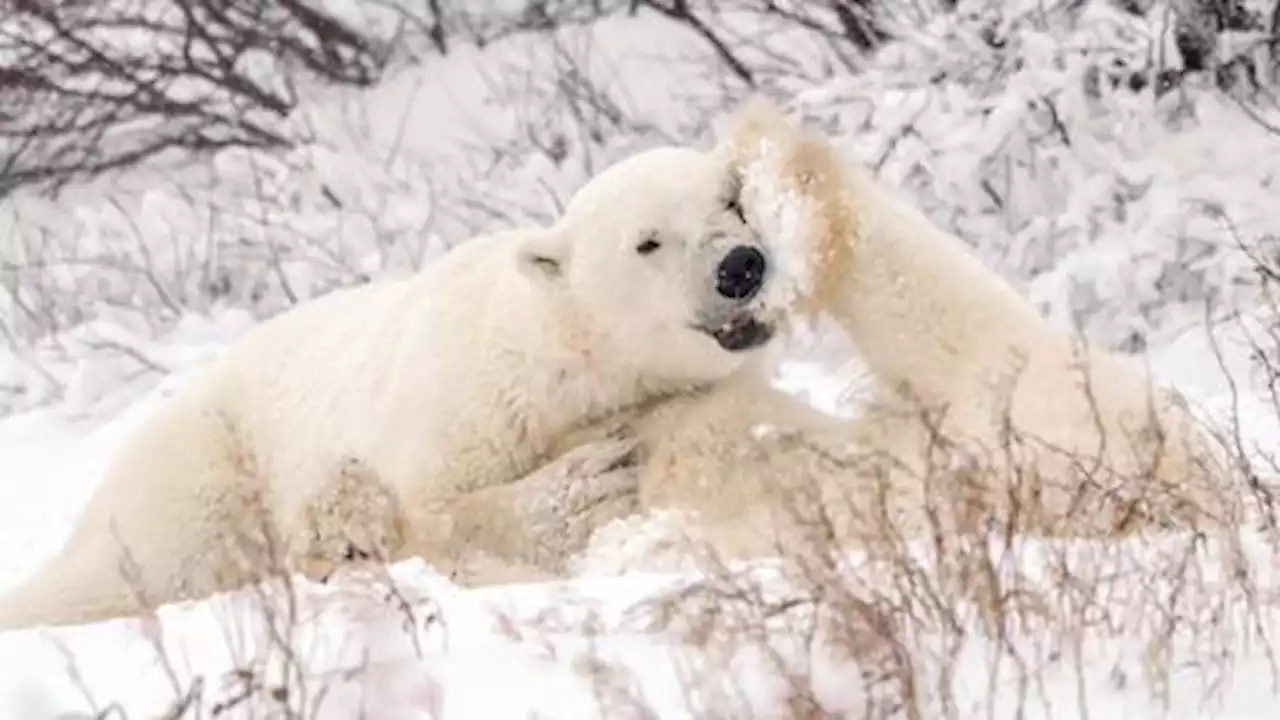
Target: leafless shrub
(91, 87)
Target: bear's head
(656, 254)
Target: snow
(1125, 222)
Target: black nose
(741, 273)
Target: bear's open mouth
(739, 333)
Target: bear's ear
(543, 257)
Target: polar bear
(983, 410)
(394, 419)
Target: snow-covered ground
(1109, 208)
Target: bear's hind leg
(177, 516)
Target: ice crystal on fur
(781, 213)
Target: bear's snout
(740, 274)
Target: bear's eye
(731, 195)
(734, 205)
(649, 246)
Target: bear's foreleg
(531, 528)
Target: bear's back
(323, 380)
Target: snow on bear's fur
(402, 418)
(1083, 443)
